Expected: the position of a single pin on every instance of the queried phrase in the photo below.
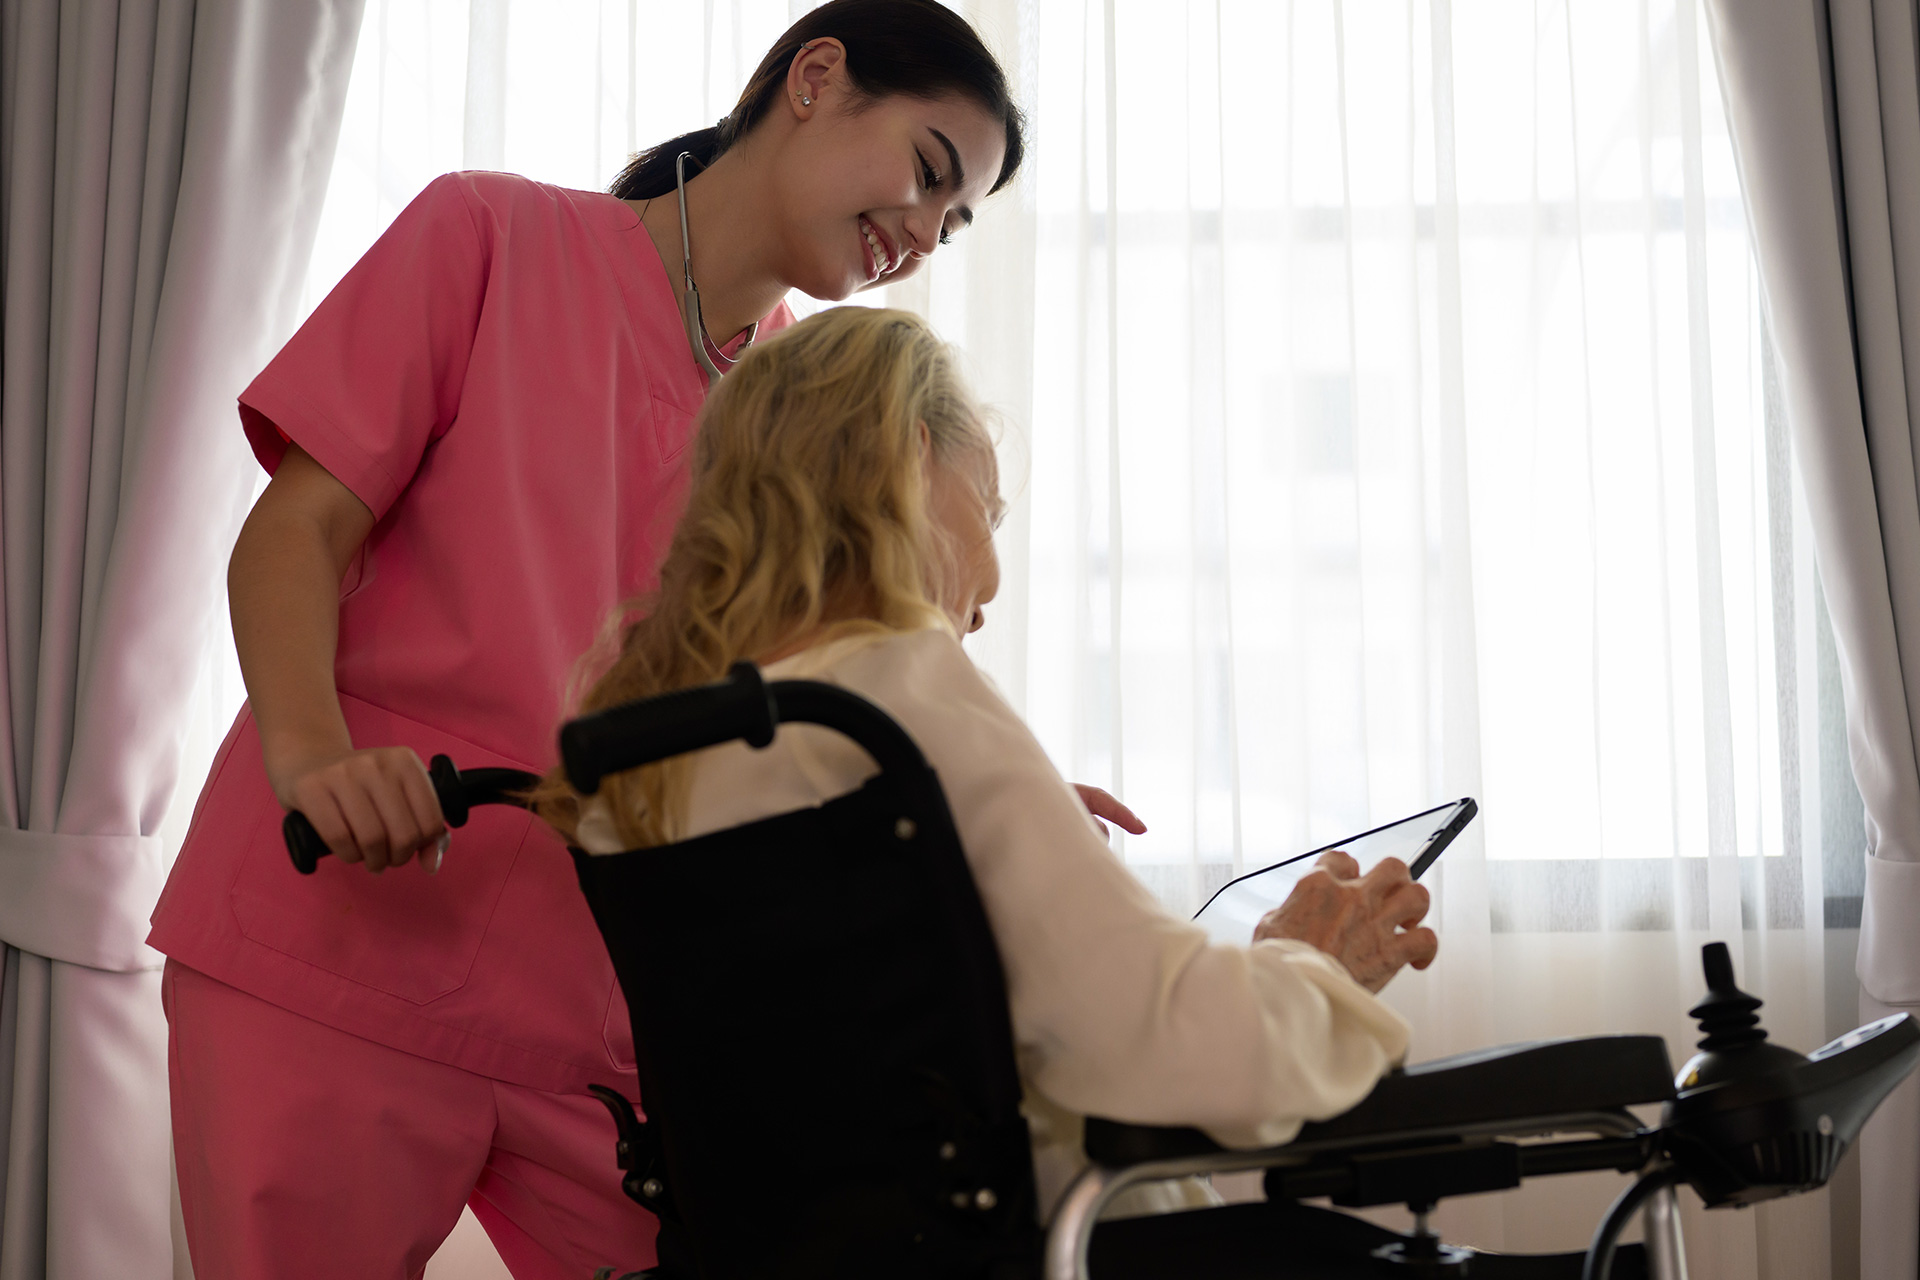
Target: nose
(921, 241)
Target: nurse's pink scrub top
(504, 380)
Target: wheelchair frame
(1737, 1091)
(1621, 1144)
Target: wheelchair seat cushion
(1521, 1084)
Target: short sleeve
(374, 376)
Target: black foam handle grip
(639, 733)
(306, 848)
(304, 844)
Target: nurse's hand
(1103, 804)
(1370, 924)
(375, 806)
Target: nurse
(478, 447)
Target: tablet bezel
(1468, 808)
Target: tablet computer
(1231, 914)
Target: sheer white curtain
(1389, 418)
(1402, 428)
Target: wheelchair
(828, 1075)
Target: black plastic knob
(1728, 1016)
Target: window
(1389, 418)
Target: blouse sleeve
(374, 375)
(1119, 1008)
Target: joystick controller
(1751, 1119)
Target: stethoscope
(705, 353)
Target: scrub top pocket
(346, 920)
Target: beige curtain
(1825, 108)
(161, 168)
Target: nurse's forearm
(283, 585)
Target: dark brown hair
(919, 48)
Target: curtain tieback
(81, 899)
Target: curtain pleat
(25, 1013)
(161, 163)
(1825, 104)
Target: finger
(1339, 864)
(1417, 947)
(363, 821)
(323, 811)
(1385, 878)
(1316, 882)
(1387, 873)
(1405, 906)
(389, 795)
(1103, 804)
(424, 804)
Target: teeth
(879, 251)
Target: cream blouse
(1119, 1008)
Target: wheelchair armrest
(1478, 1090)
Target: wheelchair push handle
(457, 790)
(628, 736)
(740, 707)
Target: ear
(926, 441)
(818, 69)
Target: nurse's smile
(881, 257)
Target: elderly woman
(840, 528)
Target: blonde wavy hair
(806, 521)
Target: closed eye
(930, 179)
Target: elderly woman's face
(963, 501)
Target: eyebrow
(959, 171)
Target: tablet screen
(1231, 914)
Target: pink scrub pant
(307, 1152)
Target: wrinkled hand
(1370, 924)
(375, 806)
(1102, 804)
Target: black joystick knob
(1727, 1014)
(1733, 1043)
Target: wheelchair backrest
(820, 1021)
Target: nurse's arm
(283, 585)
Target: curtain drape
(1402, 429)
(161, 169)
(1388, 417)
(1825, 106)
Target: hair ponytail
(919, 48)
(651, 174)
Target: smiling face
(870, 187)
